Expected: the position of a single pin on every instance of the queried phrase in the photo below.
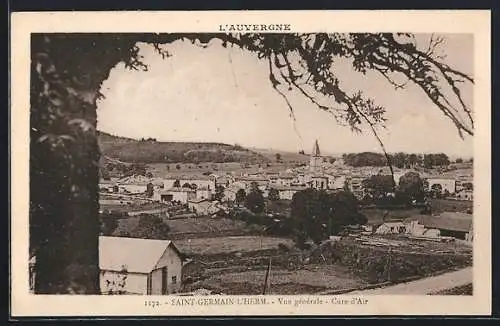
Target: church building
(316, 159)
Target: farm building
(182, 195)
(139, 266)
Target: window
(174, 279)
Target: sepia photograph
(255, 161)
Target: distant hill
(285, 156)
(152, 151)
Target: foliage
(219, 193)
(240, 196)
(364, 159)
(317, 214)
(67, 71)
(378, 185)
(109, 223)
(150, 227)
(150, 190)
(255, 201)
(273, 194)
(177, 184)
(278, 158)
(436, 190)
(431, 160)
(468, 186)
(412, 185)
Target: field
(212, 246)
(310, 280)
(133, 207)
(270, 154)
(206, 226)
(447, 205)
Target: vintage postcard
(250, 163)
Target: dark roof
(463, 223)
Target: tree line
(399, 160)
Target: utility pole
(267, 276)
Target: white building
(179, 194)
(447, 185)
(288, 192)
(139, 266)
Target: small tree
(109, 223)
(187, 185)
(240, 196)
(273, 194)
(255, 201)
(178, 166)
(436, 190)
(151, 227)
(278, 157)
(412, 185)
(150, 190)
(219, 192)
(177, 184)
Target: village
(230, 232)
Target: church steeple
(316, 151)
(316, 159)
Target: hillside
(152, 151)
(287, 157)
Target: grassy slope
(131, 150)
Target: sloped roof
(136, 255)
(452, 222)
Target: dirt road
(426, 285)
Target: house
(319, 182)
(288, 192)
(179, 194)
(336, 181)
(139, 266)
(202, 181)
(203, 193)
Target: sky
(224, 95)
